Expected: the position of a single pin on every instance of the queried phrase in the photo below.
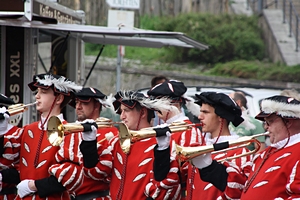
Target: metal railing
(290, 14)
(258, 5)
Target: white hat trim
(61, 84)
(280, 108)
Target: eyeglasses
(271, 121)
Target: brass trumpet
(18, 108)
(56, 129)
(187, 153)
(127, 136)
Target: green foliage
(256, 70)
(236, 48)
(230, 37)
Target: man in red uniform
(217, 111)
(9, 176)
(275, 171)
(139, 174)
(46, 172)
(175, 91)
(88, 103)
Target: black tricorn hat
(225, 107)
(283, 106)
(172, 89)
(87, 94)
(5, 101)
(60, 84)
(128, 98)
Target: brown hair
(158, 79)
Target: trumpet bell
(55, 131)
(124, 137)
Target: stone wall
(136, 77)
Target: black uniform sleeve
(215, 174)
(48, 186)
(90, 153)
(11, 176)
(161, 165)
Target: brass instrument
(187, 153)
(18, 108)
(56, 130)
(127, 136)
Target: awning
(109, 35)
(134, 41)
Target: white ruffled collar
(60, 116)
(222, 138)
(293, 140)
(177, 118)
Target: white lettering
(133, 4)
(16, 98)
(14, 88)
(46, 11)
(14, 65)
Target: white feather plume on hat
(191, 105)
(61, 84)
(160, 104)
(109, 101)
(247, 121)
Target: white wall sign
(117, 17)
(126, 4)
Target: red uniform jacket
(6, 185)
(206, 190)
(93, 184)
(279, 176)
(62, 162)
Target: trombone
(56, 129)
(127, 136)
(188, 153)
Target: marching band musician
(139, 173)
(175, 91)
(275, 171)
(9, 176)
(88, 104)
(154, 81)
(46, 171)
(217, 111)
